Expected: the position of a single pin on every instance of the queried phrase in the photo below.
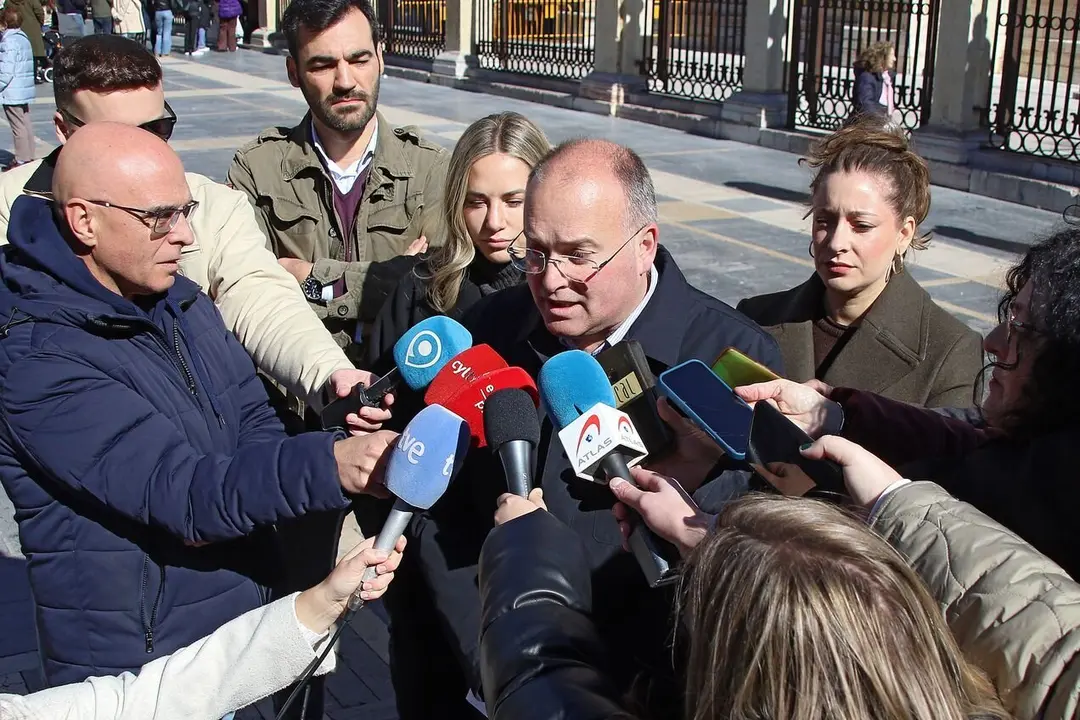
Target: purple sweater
(228, 9)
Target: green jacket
(33, 17)
(292, 192)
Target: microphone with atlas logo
(600, 442)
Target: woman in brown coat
(860, 321)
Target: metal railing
(553, 38)
(1034, 104)
(413, 28)
(827, 37)
(694, 48)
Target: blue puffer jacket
(140, 452)
(16, 68)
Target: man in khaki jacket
(343, 195)
(108, 77)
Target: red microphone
(462, 369)
(468, 403)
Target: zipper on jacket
(148, 627)
(192, 387)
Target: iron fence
(827, 37)
(413, 28)
(552, 38)
(1034, 104)
(694, 48)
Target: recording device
(512, 428)
(469, 401)
(737, 369)
(462, 369)
(601, 443)
(775, 439)
(710, 404)
(421, 464)
(634, 384)
(419, 355)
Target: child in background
(17, 83)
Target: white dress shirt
(345, 178)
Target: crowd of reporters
(172, 351)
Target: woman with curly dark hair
(875, 81)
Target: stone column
(618, 32)
(457, 57)
(268, 12)
(963, 73)
(762, 101)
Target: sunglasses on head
(162, 127)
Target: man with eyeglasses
(112, 78)
(596, 275)
(137, 444)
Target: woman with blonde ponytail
(483, 212)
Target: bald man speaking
(136, 442)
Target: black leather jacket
(541, 657)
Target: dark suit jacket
(679, 323)
(906, 348)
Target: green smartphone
(736, 369)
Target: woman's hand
(512, 506)
(787, 478)
(804, 405)
(319, 607)
(694, 454)
(663, 505)
(865, 475)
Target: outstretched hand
(866, 475)
(803, 404)
(663, 505)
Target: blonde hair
(797, 611)
(509, 133)
(875, 57)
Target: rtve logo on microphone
(424, 350)
(414, 449)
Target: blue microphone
(425, 458)
(419, 355)
(600, 442)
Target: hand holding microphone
(511, 506)
(663, 505)
(361, 462)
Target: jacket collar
(389, 162)
(40, 182)
(888, 343)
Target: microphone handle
(392, 529)
(648, 549)
(516, 456)
(333, 415)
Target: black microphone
(512, 429)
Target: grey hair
(625, 164)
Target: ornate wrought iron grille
(1034, 102)
(694, 48)
(413, 28)
(552, 38)
(827, 37)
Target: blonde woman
(483, 208)
(792, 609)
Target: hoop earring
(898, 264)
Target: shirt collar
(619, 333)
(353, 171)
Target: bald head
(122, 194)
(105, 157)
(591, 163)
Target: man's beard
(347, 121)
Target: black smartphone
(773, 452)
(634, 384)
(710, 404)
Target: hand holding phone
(710, 403)
(774, 452)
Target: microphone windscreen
(462, 369)
(510, 414)
(426, 456)
(426, 347)
(571, 383)
(469, 402)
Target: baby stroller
(53, 44)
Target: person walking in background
(103, 16)
(130, 20)
(228, 12)
(197, 14)
(163, 19)
(875, 81)
(33, 18)
(17, 82)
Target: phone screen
(775, 441)
(699, 392)
(737, 369)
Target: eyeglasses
(160, 222)
(162, 127)
(575, 268)
(1017, 327)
